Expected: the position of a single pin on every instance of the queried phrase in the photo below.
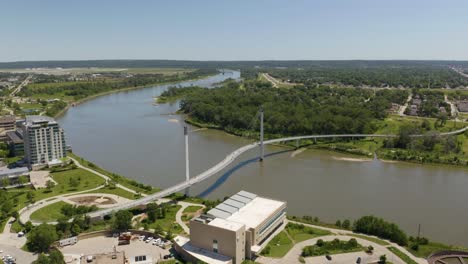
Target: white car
(141, 238)
(149, 239)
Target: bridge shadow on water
(231, 171)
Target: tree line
(299, 111)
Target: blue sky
(233, 30)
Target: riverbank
(91, 97)
(360, 153)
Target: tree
(55, 257)
(22, 180)
(30, 196)
(5, 182)
(73, 182)
(383, 259)
(28, 226)
(338, 223)
(346, 224)
(41, 237)
(49, 185)
(122, 220)
(42, 259)
(152, 211)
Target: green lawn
(86, 179)
(192, 209)
(372, 239)
(426, 250)
(332, 247)
(49, 213)
(18, 196)
(117, 191)
(169, 221)
(131, 184)
(300, 232)
(278, 246)
(402, 255)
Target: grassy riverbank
(71, 103)
(129, 183)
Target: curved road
(230, 158)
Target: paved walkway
(293, 255)
(181, 211)
(104, 177)
(25, 215)
(341, 233)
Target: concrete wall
(230, 243)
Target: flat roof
(32, 119)
(255, 212)
(14, 137)
(219, 213)
(225, 224)
(200, 253)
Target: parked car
(358, 261)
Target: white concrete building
(44, 141)
(235, 230)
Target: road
(273, 81)
(402, 109)
(18, 89)
(231, 158)
(453, 108)
(460, 72)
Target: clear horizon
(233, 31)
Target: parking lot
(104, 244)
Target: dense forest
(298, 111)
(375, 76)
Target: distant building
(13, 174)
(15, 142)
(44, 141)
(7, 123)
(462, 106)
(233, 231)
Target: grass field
(49, 213)
(169, 221)
(116, 191)
(402, 255)
(278, 246)
(292, 234)
(426, 250)
(192, 209)
(372, 239)
(305, 232)
(120, 179)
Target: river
(125, 133)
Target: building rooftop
(225, 224)
(8, 119)
(14, 137)
(246, 208)
(255, 212)
(33, 119)
(14, 172)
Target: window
(215, 246)
(140, 258)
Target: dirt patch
(93, 200)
